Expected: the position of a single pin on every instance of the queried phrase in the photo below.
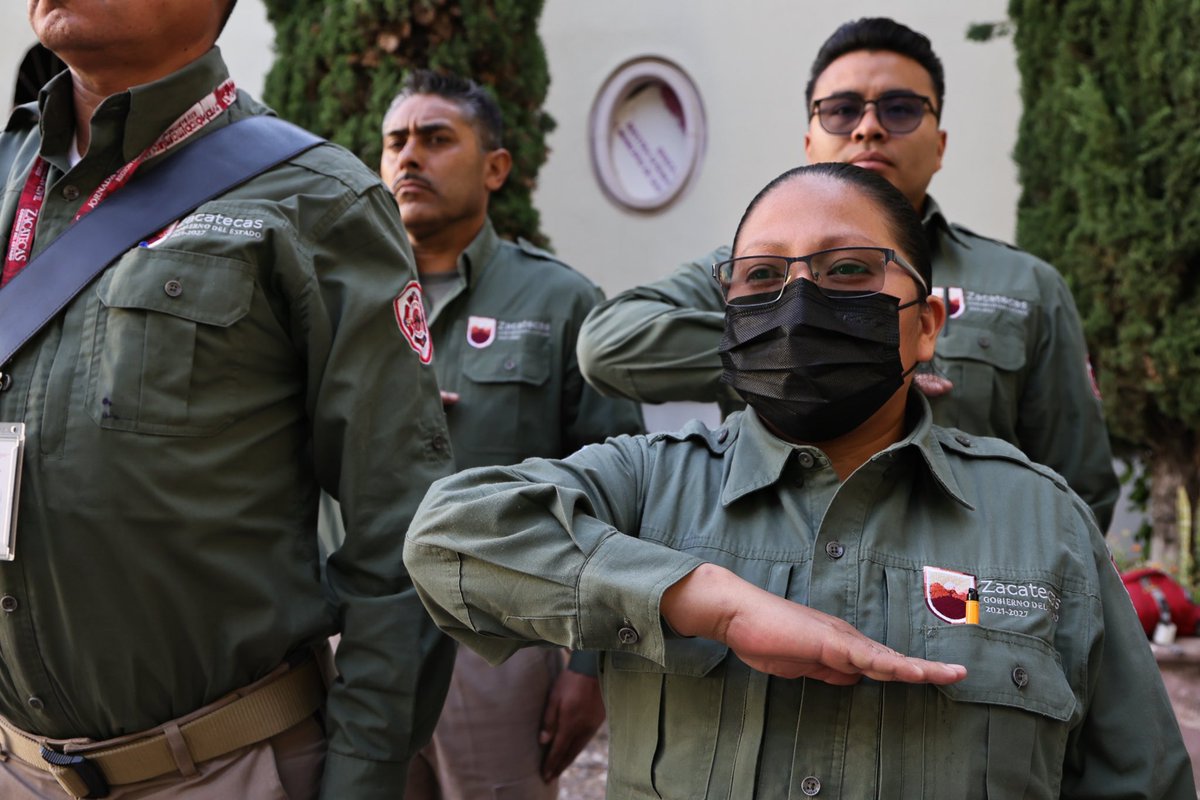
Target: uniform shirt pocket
(1005, 723)
(664, 728)
(163, 358)
(505, 410)
(986, 366)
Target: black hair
(902, 218)
(477, 102)
(225, 18)
(878, 33)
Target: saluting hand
(779, 637)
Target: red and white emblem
(946, 593)
(481, 331)
(410, 315)
(955, 298)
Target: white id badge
(12, 449)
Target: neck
(881, 430)
(438, 251)
(92, 84)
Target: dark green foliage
(339, 64)
(1109, 159)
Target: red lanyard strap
(20, 241)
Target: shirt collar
(935, 221)
(758, 457)
(132, 119)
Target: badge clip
(12, 452)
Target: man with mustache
(505, 318)
(1011, 361)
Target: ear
(808, 147)
(941, 148)
(931, 320)
(496, 166)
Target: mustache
(411, 177)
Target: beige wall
(750, 67)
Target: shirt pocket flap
(691, 657)
(525, 360)
(1003, 668)
(205, 289)
(992, 346)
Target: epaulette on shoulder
(988, 447)
(531, 249)
(717, 440)
(968, 232)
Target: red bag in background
(1156, 597)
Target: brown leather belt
(262, 711)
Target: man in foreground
(182, 414)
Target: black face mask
(815, 367)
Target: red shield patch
(481, 331)
(946, 593)
(410, 316)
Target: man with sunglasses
(1011, 361)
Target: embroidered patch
(956, 303)
(410, 316)
(481, 331)
(946, 593)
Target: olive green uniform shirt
(182, 413)
(505, 340)
(1062, 696)
(1013, 348)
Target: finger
(559, 755)
(549, 722)
(449, 399)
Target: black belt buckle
(86, 771)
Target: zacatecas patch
(410, 316)
(946, 593)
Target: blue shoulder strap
(204, 169)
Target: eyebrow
(423, 129)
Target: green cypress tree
(1109, 160)
(339, 64)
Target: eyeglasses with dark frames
(897, 112)
(840, 272)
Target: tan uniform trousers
(485, 745)
(287, 766)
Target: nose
(868, 128)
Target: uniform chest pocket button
(1020, 677)
(173, 288)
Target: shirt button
(1020, 677)
(627, 635)
(963, 439)
(8, 603)
(810, 786)
(509, 364)
(70, 192)
(835, 550)
(722, 435)
(806, 460)
(36, 703)
(173, 288)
